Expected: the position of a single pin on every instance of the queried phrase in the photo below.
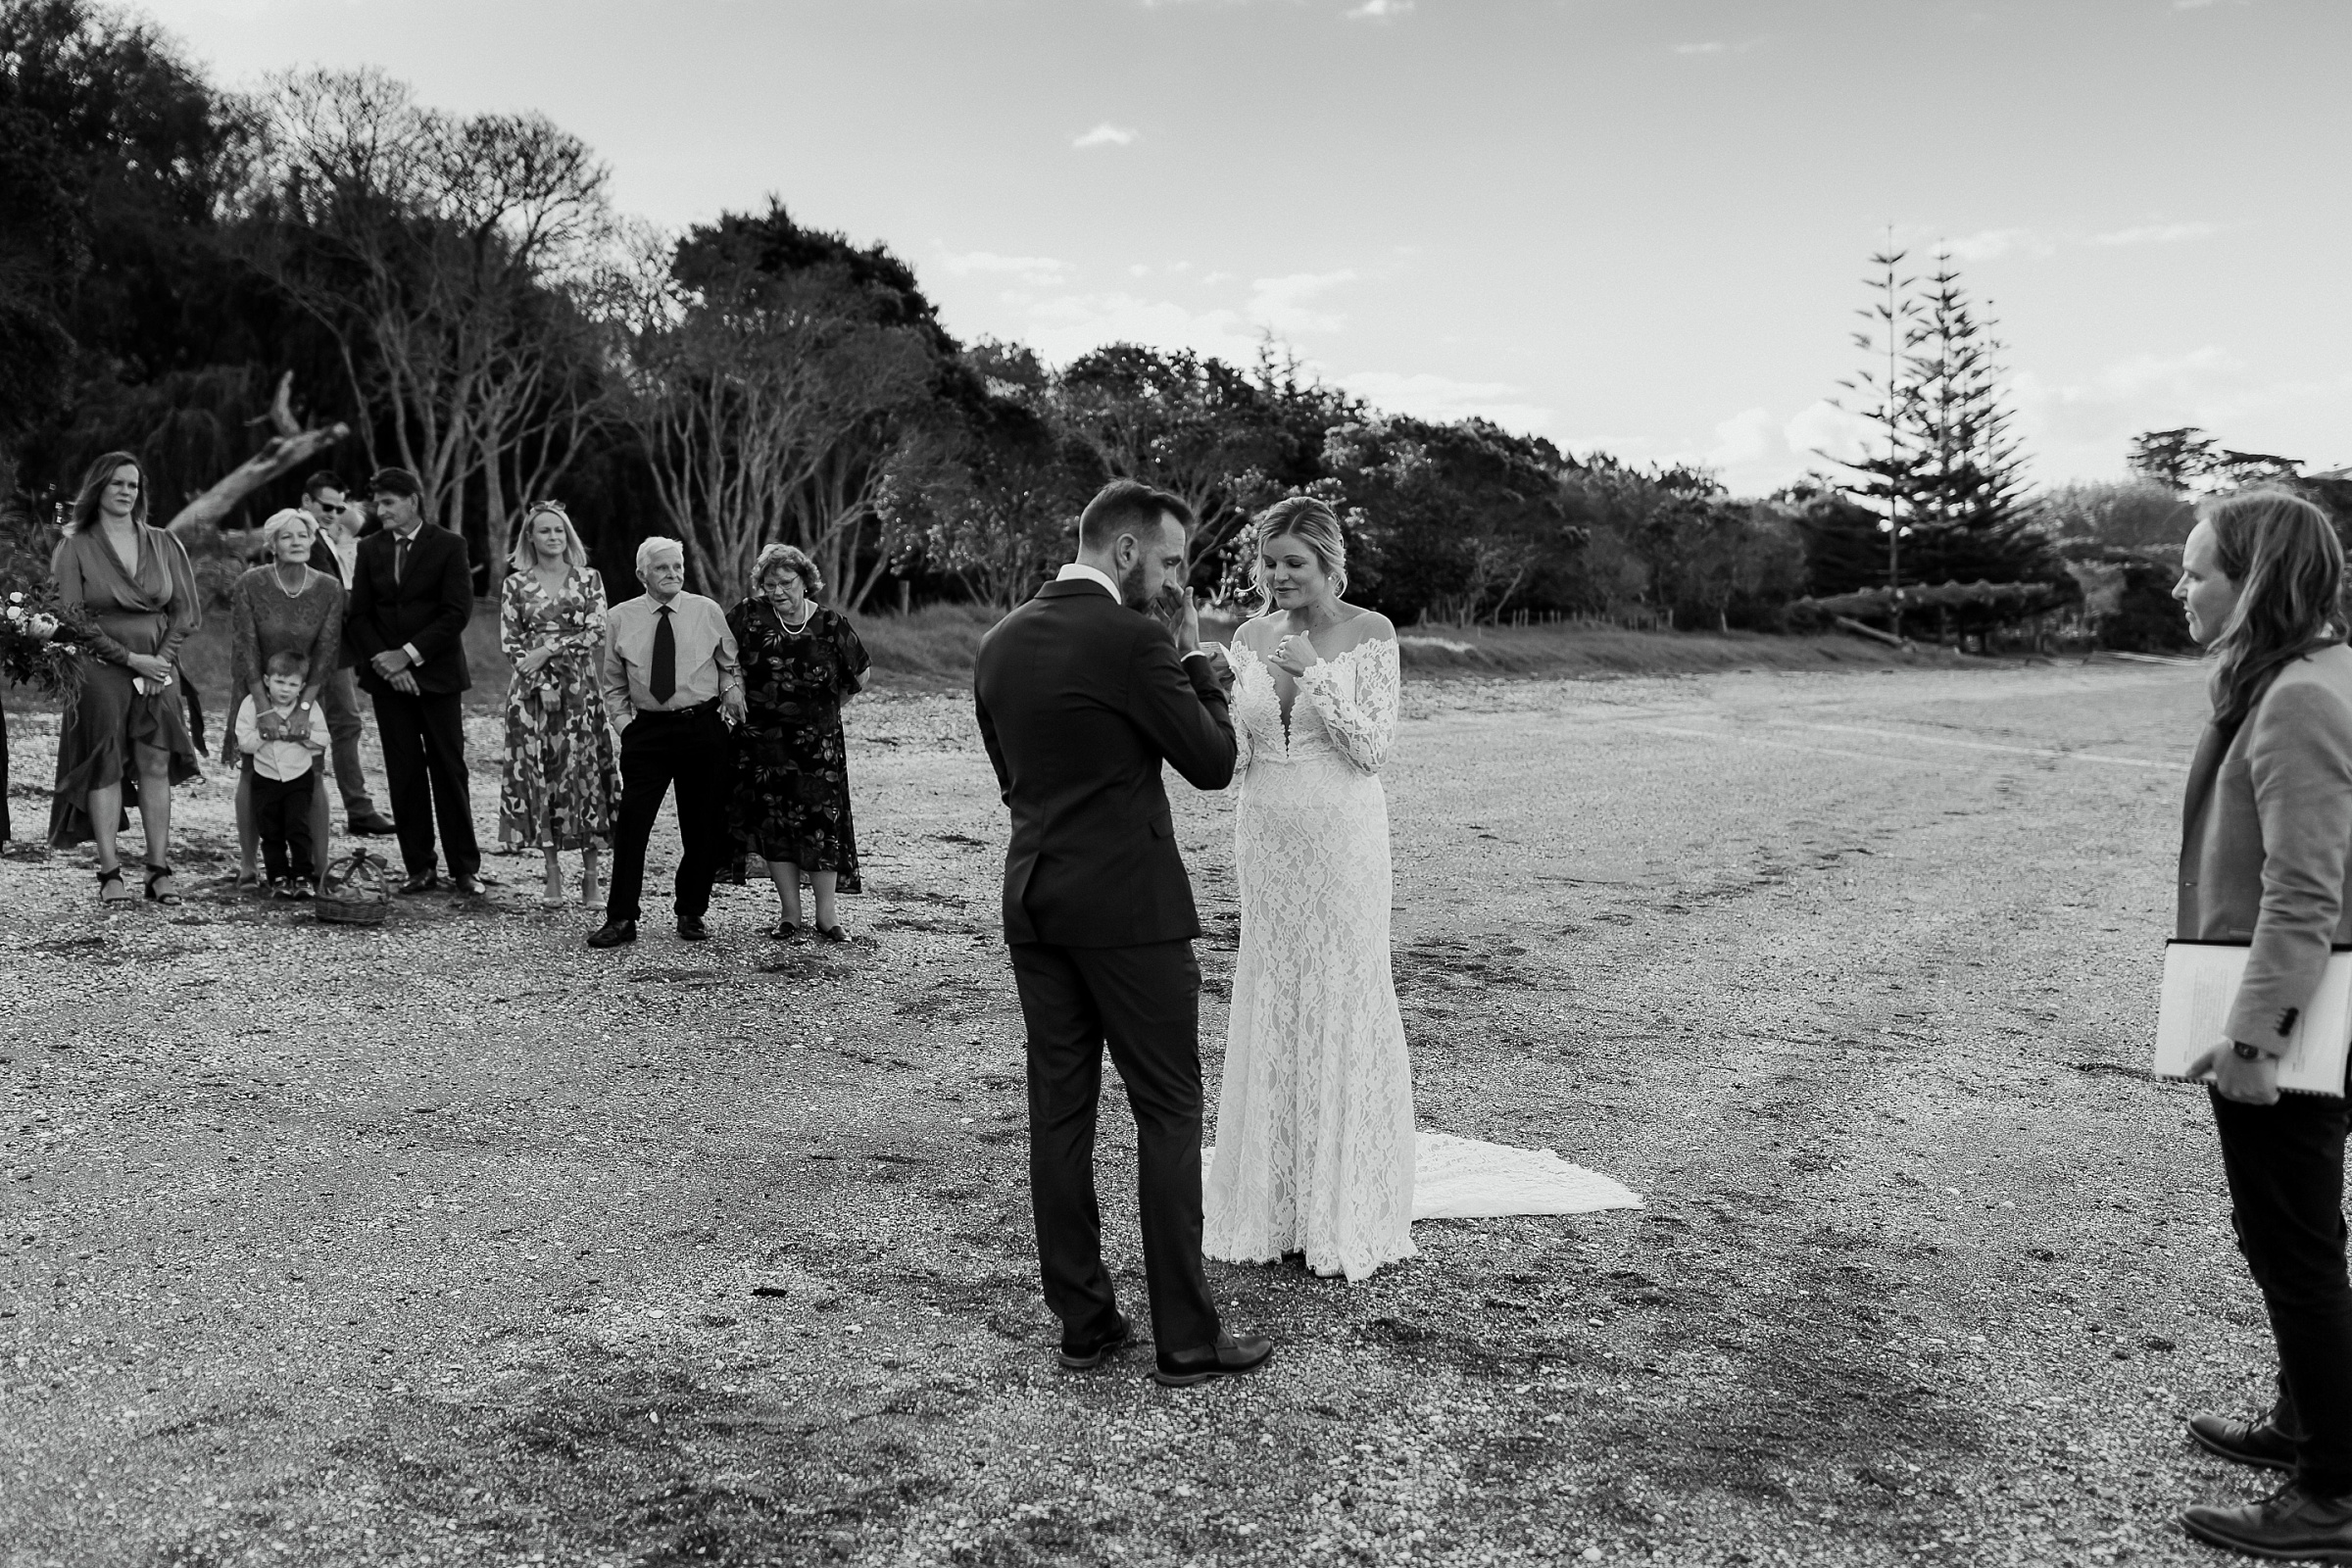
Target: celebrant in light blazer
(2266, 857)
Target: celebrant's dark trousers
(687, 749)
(1144, 1003)
(2286, 1164)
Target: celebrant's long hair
(2282, 553)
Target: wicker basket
(357, 890)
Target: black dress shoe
(422, 882)
(1083, 1355)
(468, 887)
(613, 933)
(2254, 1442)
(692, 929)
(2288, 1523)
(1230, 1356)
(370, 825)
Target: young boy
(284, 776)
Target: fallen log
(1848, 623)
(289, 449)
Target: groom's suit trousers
(1144, 1003)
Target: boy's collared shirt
(279, 758)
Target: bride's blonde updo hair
(1314, 525)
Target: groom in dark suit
(1082, 694)
(412, 594)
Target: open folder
(2200, 981)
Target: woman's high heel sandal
(109, 885)
(160, 887)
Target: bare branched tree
(443, 254)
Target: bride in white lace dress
(1316, 1151)
(1315, 1119)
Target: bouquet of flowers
(37, 638)
(577, 631)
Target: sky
(1633, 225)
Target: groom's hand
(1188, 625)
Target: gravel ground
(457, 1243)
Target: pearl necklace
(277, 573)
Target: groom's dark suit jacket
(1080, 700)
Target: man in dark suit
(1080, 700)
(412, 594)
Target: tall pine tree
(1965, 486)
(1941, 472)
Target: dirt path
(458, 1242)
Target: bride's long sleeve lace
(1362, 724)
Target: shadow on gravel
(623, 1458)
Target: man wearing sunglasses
(335, 551)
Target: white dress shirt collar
(1080, 572)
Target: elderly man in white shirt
(671, 682)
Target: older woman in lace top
(283, 607)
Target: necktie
(400, 558)
(663, 681)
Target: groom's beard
(1165, 607)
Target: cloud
(1716, 46)
(1106, 134)
(1283, 304)
(1380, 10)
(1986, 244)
(1442, 398)
(1824, 427)
(2156, 234)
(1037, 271)
(1062, 328)
(1742, 438)
(2205, 4)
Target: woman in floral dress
(800, 664)
(562, 772)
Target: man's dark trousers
(424, 773)
(1144, 1003)
(688, 750)
(340, 697)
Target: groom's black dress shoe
(692, 929)
(2288, 1523)
(1230, 1356)
(1083, 1355)
(2254, 1442)
(613, 933)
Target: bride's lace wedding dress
(1316, 1151)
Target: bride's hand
(1294, 654)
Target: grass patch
(934, 646)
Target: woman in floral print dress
(562, 770)
(792, 807)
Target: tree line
(242, 287)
